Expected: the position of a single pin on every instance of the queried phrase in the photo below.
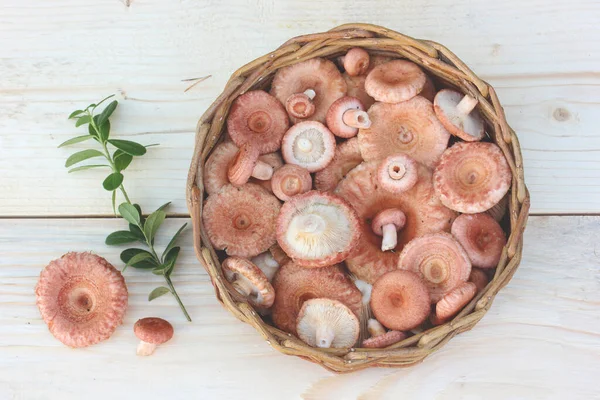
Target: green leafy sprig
(142, 230)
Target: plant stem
(168, 279)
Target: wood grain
(540, 340)
(55, 57)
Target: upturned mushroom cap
(397, 173)
(257, 118)
(249, 281)
(387, 339)
(479, 278)
(356, 61)
(289, 181)
(395, 81)
(456, 112)
(300, 105)
(389, 216)
(400, 300)
(439, 260)
(472, 177)
(346, 157)
(481, 237)
(246, 164)
(295, 284)
(317, 74)
(308, 144)
(356, 84)
(267, 264)
(410, 127)
(82, 298)
(241, 220)
(317, 229)
(345, 116)
(454, 301)
(428, 90)
(153, 330)
(327, 323)
(423, 210)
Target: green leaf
(139, 258)
(120, 237)
(153, 223)
(163, 206)
(170, 260)
(104, 130)
(82, 120)
(84, 167)
(129, 147)
(144, 259)
(74, 140)
(122, 160)
(135, 230)
(129, 213)
(92, 132)
(75, 114)
(114, 202)
(113, 181)
(172, 242)
(142, 219)
(107, 112)
(82, 156)
(159, 291)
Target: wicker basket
(449, 70)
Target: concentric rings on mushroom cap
(472, 177)
(82, 298)
(423, 210)
(410, 127)
(241, 220)
(356, 84)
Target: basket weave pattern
(437, 61)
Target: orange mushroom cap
(482, 238)
(395, 81)
(247, 164)
(345, 116)
(346, 157)
(356, 84)
(249, 281)
(153, 330)
(439, 260)
(400, 300)
(479, 278)
(300, 105)
(472, 177)
(257, 118)
(82, 298)
(289, 181)
(317, 74)
(397, 173)
(456, 112)
(308, 144)
(454, 301)
(356, 61)
(410, 127)
(241, 220)
(387, 339)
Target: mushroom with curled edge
(267, 264)
(152, 332)
(400, 300)
(472, 177)
(454, 301)
(308, 144)
(300, 105)
(327, 323)
(289, 181)
(82, 298)
(387, 223)
(458, 114)
(356, 61)
(316, 229)
(246, 164)
(241, 220)
(439, 260)
(346, 157)
(395, 81)
(318, 75)
(482, 238)
(346, 116)
(356, 84)
(380, 338)
(259, 119)
(249, 281)
(397, 173)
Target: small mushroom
(482, 238)
(472, 177)
(247, 164)
(289, 181)
(397, 173)
(454, 301)
(317, 229)
(356, 61)
(249, 281)
(241, 220)
(152, 332)
(410, 127)
(400, 300)
(387, 223)
(345, 116)
(318, 75)
(428, 90)
(308, 144)
(380, 338)
(267, 264)
(439, 260)
(457, 113)
(346, 157)
(395, 81)
(479, 278)
(300, 105)
(259, 119)
(295, 284)
(356, 84)
(327, 323)
(82, 298)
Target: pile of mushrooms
(354, 204)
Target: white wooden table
(540, 340)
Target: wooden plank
(541, 339)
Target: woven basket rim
(436, 60)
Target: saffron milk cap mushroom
(356, 84)
(458, 114)
(454, 301)
(249, 281)
(289, 181)
(482, 238)
(346, 157)
(356, 61)
(300, 105)
(387, 223)
(327, 323)
(397, 173)
(308, 144)
(395, 81)
(379, 337)
(152, 332)
(345, 116)
(267, 264)
(247, 164)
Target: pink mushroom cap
(308, 144)
(356, 61)
(398, 173)
(395, 81)
(387, 339)
(482, 238)
(345, 116)
(454, 301)
(289, 181)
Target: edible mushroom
(346, 157)
(356, 61)
(457, 113)
(397, 173)
(249, 281)
(428, 90)
(152, 332)
(387, 223)
(482, 238)
(327, 323)
(247, 164)
(345, 116)
(479, 278)
(308, 144)
(356, 84)
(289, 181)
(454, 301)
(300, 105)
(395, 81)
(267, 264)
(379, 337)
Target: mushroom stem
(356, 119)
(324, 336)
(305, 145)
(466, 105)
(310, 93)
(375, 328)
(145, 348)
(243, 286)
(262, 171)
(390, 237)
